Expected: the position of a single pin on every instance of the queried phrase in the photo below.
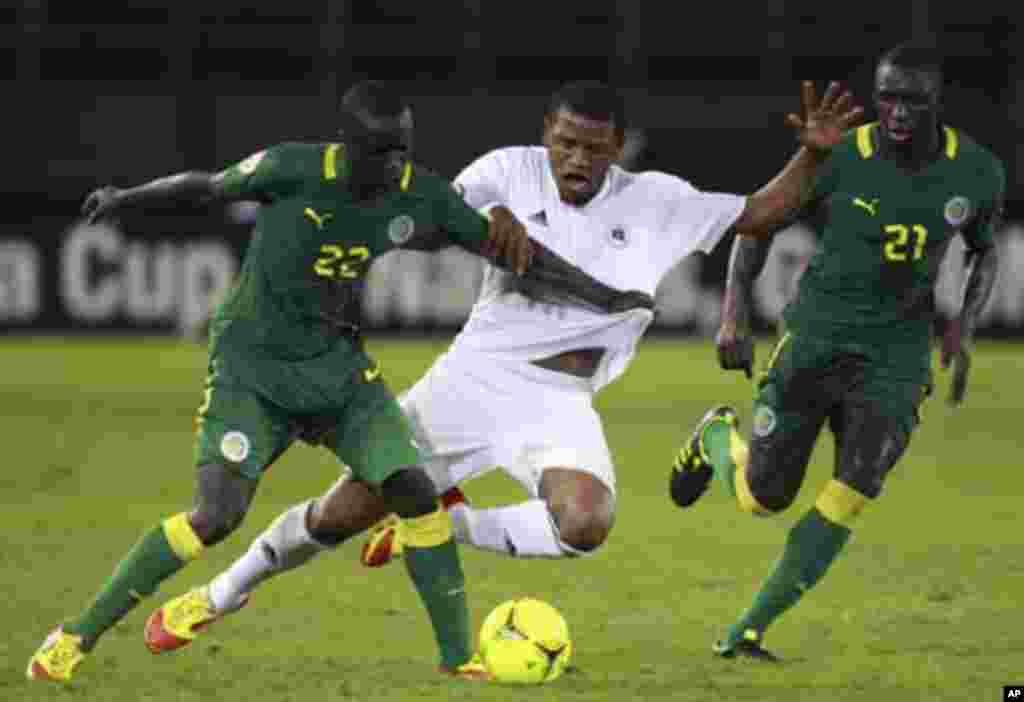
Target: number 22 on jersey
(904, 242)
(340, 262)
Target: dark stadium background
(100, 93)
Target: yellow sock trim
(181, 537)
(840, 503)
(429, 530)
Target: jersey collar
(867, 141)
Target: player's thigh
(874, 431)
(788, 415)
(575, 442)
(462, 426)
(436, 457)
(372, 436)
(238, 427)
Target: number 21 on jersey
(904, 242)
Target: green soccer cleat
(693, 470)
(749, 646)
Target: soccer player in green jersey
(857, 344)
(287, 362)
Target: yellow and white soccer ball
(525, 641)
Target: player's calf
(347, 509)
(432, 561)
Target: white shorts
(471, 414)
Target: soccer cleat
(385, 542)
(453, 496)
(179, 621)
(56, 658)
(749, 646)
(474, 669)
(692, 470)
(387, 538)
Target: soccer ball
(525, 641)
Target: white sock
(286, 544)
(524, 530)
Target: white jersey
(633, 232)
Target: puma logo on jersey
(871, 206)
(319, 220)
(372, 373)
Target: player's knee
(410, 493)
(770, 494)
(222, 500)
(583, 531)
(213, 523)
(870, 452)
(583, 513)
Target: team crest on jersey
(235, 446)
(764, 421)
(958, 210)
(249, 165)
(617, 237)
(401, 228)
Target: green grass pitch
(924, 605)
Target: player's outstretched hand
(100, 203)
(735, 349)
(823, 123)
(954, 352)
(508, 240)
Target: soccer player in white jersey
(515, 389)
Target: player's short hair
(376, 98)
(915, 55)
(592, 99)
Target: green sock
(718, 442)
(140, 572)
(437, 574)
(813, 543)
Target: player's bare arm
(983, 267)
(819, 128)
(510, 246)
(191, 186)
(734, 341)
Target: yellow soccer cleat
(385, 542)
(180, 620)
(473, 669)
(56, 658)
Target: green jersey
(882, 233)
(299, 287)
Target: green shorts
(254, 408)
(870, 398)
